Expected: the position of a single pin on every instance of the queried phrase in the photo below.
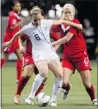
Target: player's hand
(6, 44)
(22, 50)
(56, 47)
(53, 44)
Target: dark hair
(42, 12)
(14, 2)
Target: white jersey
(40, 38)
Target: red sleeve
(12, 19)
(24, 37)
(55, 28)
(53, 33)
(72, 29)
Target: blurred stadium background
(87, 14)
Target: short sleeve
(53, 32)
(12, 20)
(49, 23)
(25, 29)
(54, 35)
(74, 30)
(24, 37)
(55, 28)
(17, 16)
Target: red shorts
(80, 61)
(13, 47)
(27, 59)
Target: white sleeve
(25, 29)
(49, 23)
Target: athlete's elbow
(81, 27)
(67, 40)
(63, 41)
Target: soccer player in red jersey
(13, 26)
(74, 54)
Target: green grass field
(78, 98)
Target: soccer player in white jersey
(43, 53)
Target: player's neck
(15, 11)
(35, 24)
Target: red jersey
(28, 44)
(53, 34)
(13, 19)
(77, 42)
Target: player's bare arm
(57, 22)
(17, 35)
(63, 40)
(22, 48)
(56, 47)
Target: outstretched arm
(17, 35)
(57, 22)
(63, 40)
(18, 24)
(21, 47)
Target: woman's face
(17, 7)
(36, 17)
(36, 22)
(68, 14)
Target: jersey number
(37, 36)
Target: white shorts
(44, 55)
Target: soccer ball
(43, 99)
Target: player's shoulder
(11, 13)
(54, 27)
(28, 26)
(14, 14)
(24, 36)
(76, 21)
(43, 20)
(46, 20)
